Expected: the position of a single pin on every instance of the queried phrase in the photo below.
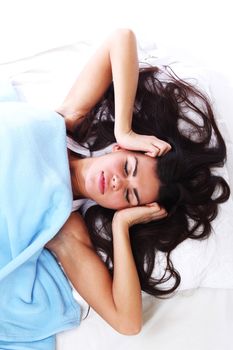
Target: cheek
(114, 201)
(90, 183)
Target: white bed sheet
(44, 79)
(197, 319)
(199, 316)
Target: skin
(117, 298)
(129, 179)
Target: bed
(199, 315)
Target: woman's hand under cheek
(151, 145)
(140, 214)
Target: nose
(117, 183)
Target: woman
(147, 202)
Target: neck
(77, 172)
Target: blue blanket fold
(35, 201)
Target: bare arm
(116, 60)
(117, 299)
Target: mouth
(101, 183)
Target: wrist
(123, 123)
(120, 222)
(122, 135)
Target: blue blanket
(35, 201)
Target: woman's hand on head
(151, 145)
(140, 214)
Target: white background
(202, 29)
(199, 29)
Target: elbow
(130, 328)
(133, 331)
(124, 33)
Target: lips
(102, 183)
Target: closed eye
(135, 192)
(126, 173)
(126, 168)
(127, 196)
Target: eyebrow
(134, 174)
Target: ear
(116, 147)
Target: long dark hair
(177, 112)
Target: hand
(151, 145)
(140, 214)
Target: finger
(154, 205)
(153, 153)
(168, 147)
(163, 151)
(158, 215)
(161, 214)
(156, 211)
(163, 148)
(159, 147)
(157, 208)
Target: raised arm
(117, 299)
(116, 60)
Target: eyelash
(126, 168)
(127, 173)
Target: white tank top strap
(76, 147)
(77, 203)
(82, 204)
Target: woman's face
(121, 179)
